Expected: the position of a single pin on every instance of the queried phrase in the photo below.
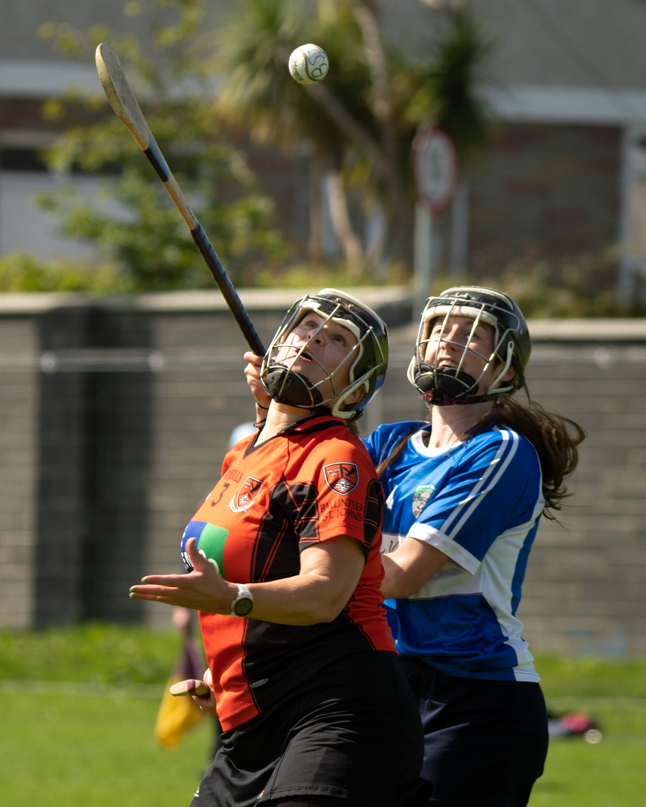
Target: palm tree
(259, 95)
(363, 118)
(444, 90)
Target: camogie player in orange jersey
(284, 568)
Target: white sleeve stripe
(477, 494)
(461, 556)
(538, 509)
(455, 513)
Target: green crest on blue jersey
(420, 498)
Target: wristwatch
(243, 603)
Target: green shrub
(99, 653)
(20, 272)
(583, 285)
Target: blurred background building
(565, 83)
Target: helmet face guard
(448, 386)
(366, 361)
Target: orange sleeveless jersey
(312, 482)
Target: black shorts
(485, 742)
(354, 734)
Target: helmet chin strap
(440, 398)
(294, 389)
(288, 387)
(447, 386)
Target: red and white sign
(435, 168)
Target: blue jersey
(479, 503)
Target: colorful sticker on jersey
(246, 496)
(342, 477)
(210, 541)
(420, 498)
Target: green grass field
(65, 751)
(94, 746)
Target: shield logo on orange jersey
(342, 477)
(246, 496)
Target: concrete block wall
(586, 583)
(19, 406)
(107, 456)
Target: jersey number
(222, 492)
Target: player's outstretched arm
(328, 576)
(409, 567)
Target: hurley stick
(126, 108)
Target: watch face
(243, 606)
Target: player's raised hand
(203, 589)
(252, 373)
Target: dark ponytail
(554, 437)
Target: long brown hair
(554, 437)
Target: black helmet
(367, 371)
(444, 386)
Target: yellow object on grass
(179, 713)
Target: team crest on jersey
(342, 477)
(420, 499)
(246, 496)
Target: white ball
(308, 64)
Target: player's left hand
(207, 702)
(203, 589)
(252, 374)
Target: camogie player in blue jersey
(464, 494)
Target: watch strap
(243, 594)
